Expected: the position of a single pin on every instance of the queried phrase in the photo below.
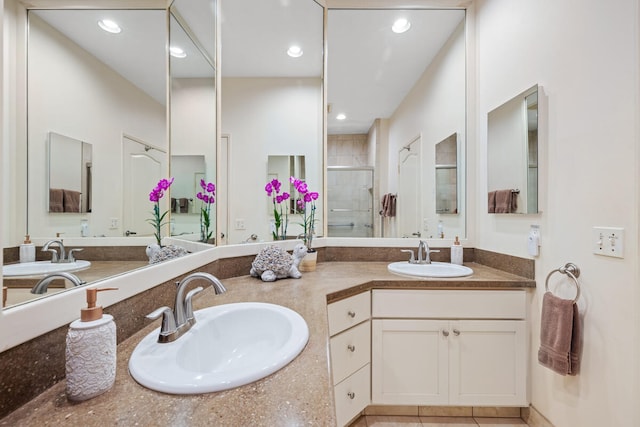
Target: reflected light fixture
(177, 52)
(341, 116)
(109, 26)
(295, 51)
(401, 25)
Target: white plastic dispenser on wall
(91, 351)
(533, 241)
(456, 252)
(27, 250)
(84, 228)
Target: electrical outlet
(113, 223)
(608, 241)
(240, 224)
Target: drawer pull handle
(351, 314)
(445, 333)
(351, 348)
(351, 395)
(456, 332)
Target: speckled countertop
(299, 394)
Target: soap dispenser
(91, 351)
(27, 250)
(456, 252)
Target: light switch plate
(608, 241)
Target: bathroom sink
(42, 268)
(230, 345)
(435, 269)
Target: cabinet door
(409, 362)
(488, 362)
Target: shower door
(350, 201)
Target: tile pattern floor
(411, 421)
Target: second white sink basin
(230, 345)
(435, 269)
(42, 268)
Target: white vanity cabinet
(449, 347)
(350, 347)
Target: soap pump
(91, 351)
(456, 252)
(27, 250)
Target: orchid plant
(280, 214)
(156, 194)
(306, 204)
(207, 196)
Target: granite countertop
(299, 394)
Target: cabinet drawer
(352, 395)
(350, 351)
(443, 304)
(349, 312)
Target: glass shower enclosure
(350, 201)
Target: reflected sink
(42, 268)
(230, 345)
(435, 269)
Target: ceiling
(370, 69)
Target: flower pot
(308, 263)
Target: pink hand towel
(560, 335)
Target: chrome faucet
(424, 253)
(54, 254)
(63, 256)
(179, 320)
(43, 284)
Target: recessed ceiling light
(401, 25)
(177, 52)
(341, 116)
(109, 26)
(294, 51)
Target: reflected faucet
(42, 285)
(54, 254)
(179, 320)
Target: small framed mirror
(512, 155)
(70, 163)
(282, 168)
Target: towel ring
(571, 270)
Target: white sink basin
(229, 346)
(42, 268)
(435, 269)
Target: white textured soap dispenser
(27, 250)
(91, 351)
(456, 252)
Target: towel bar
(571, 270)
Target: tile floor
(411, 421)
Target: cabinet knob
(351, 395)
(351, 348)
(456, 332)
(351, 314)
(445, 332)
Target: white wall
(585, 56)
(434, 109)
(268, 116)
(73, 94)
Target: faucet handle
(54, 254)
(70, 256)
(412, 260)
(168, 320)
(188, 304)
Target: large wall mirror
(512, 155)
(193, 117)
(110, 90)
(271, 105)
(396, 89)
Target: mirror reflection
(393, 95)
(282, 168)
(70, 163)
(447, 175)
(271, 106)
(512, 155)
(193, 119)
